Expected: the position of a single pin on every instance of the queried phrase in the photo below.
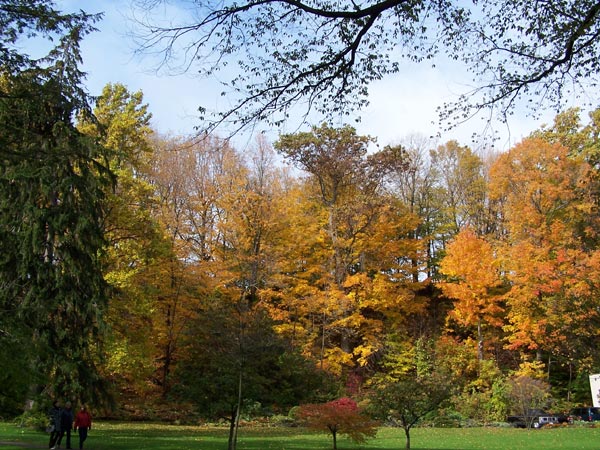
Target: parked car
(586, 413)
(535, 419)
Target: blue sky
(400, 105)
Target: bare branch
(324, 54)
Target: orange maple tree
(548, 211)
(473, 281)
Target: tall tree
(324, 55)
(248, 228)
(416, 187)
(582, 140)
(347, 273)
(336, 160)
(459, 172)
(473, 281)
(22, 20)
(175, 279)
(135, 239)
(52, 183)
(548, 217)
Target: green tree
(408, 399)
(16, 351)
(52, 184)
(22, 20)
(135, 239)
(324, 55)
(234, 359)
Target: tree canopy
(324, 55)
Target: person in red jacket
(83, 423)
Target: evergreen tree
(52, 180)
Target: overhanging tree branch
(324, 55)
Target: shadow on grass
(142, 436)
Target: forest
(171, 277)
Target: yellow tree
(341, 264)
(474, 280)
(122, 124)
(293, 295)
(243, 258)
(335, 160)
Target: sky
(402, 105)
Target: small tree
(527, 397)
(407, 400)
(338, 416)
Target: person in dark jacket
(83, 423)
(54, 414)
(66, 425)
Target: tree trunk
(407, 433)
(479, 341)
(570, 385)
(166, 365)
(235, 417)
(232, 433)
(323, 342)
(339, 271)
(239, 404)
(170, 344)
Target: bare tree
(528, 397)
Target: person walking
(66, 425)
(54, 414)
(83, 423)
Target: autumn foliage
(342, 416)
(233, 280)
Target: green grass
(141, 436)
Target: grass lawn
(140, 436)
